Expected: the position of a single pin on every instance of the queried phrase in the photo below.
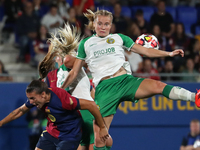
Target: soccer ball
(148, 41)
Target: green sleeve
(65, 69)
(81, 50)
(127, 41)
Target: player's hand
(103, 133)
(1, 124)
(176, 52)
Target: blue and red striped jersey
(64, 119)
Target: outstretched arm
(73, 73)
(15, 114)
(92, 107)
(150, 52)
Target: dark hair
(139, 12)
(160, 1)
(53, 5)
(38, 86)
(2, 67)
(183, 27)
(168, 59)
(68, 10)
(118, 3)
(39, 34)
(195, 120)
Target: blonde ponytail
(90, 16)
(64, 42)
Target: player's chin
(38, 106)
(102, 34)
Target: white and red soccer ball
(148, 41)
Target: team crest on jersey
(52, 118)
(110, 41)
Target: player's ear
(43, 94)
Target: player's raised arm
(73, 73)
(15, 114)
(151, 52)
(92, 107)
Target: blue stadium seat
(147, 11)
(1, 13)
(44, 10)
(109, 8)
(172, 11)
(188, 16)
(187, 29)
(126, 12)
(198, 12)
(197, 30)
(70, 2)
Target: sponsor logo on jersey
(71, 101)
(52, 118)
(104, 52)
(53, 80)
(93, 44)
(110, 41)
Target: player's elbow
(86, 104)
(91, 105)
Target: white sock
(178, 93)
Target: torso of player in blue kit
(64, 118)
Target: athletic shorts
(87, 128)
(111, 92)
(48, 142)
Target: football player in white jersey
(104, 54)
(80, 88)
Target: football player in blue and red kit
(63, 129)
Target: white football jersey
(105, 56)
(80, 88)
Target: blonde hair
(64, 42)
(91, 16)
